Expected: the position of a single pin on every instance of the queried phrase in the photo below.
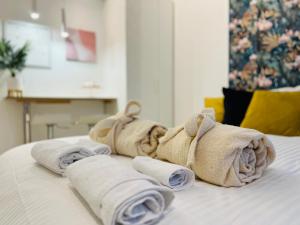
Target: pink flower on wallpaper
(253, 57)
(232, 26)
(290, 33)
(264, 25)
(233, 75)
(243, 44)
(291, 3)
(81, 46)
(297, 62)
(264, 82)
(284, 39)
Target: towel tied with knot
(128, 135)
(219, 154)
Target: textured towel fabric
(171, 175)
(232, 156)
(220, 154)
(118, 194)
(93, 146)
(139, 138)
(176, 144)
(126, 134)
(58, 155)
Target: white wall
(201, 53)
(65, 78)
(150, 57)
(114, 54)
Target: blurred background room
(86, 58)
(146, 102)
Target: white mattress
(31, 195)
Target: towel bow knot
(196, 127)
(131, 112)
(200, 123)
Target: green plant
(12, 59)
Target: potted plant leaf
(12, 62)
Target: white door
(150, 57)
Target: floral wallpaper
(264, 44)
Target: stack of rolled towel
(57, 155)
(219, 154)
(119, 194)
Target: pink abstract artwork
(81, 45)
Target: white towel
(58, 155)
(118, 194)
(173, 176)
(96, 147)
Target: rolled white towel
(173, 176)
(96, 147)
(118, 194)
(58, 155)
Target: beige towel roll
(126, 134)
(176, 144)
(219, 154)
(232, 156)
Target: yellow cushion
(274, 113)
(218, 105)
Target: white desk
(110, 104)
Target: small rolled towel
(118, 194)
(95, 147)
(171, 175)
(219, 154)
(128, 135)
(57, 155)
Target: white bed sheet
(31, 195)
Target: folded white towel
(173, 176)
(118, 194)
(58, 155)
(96, 147)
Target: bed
(32, 195)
